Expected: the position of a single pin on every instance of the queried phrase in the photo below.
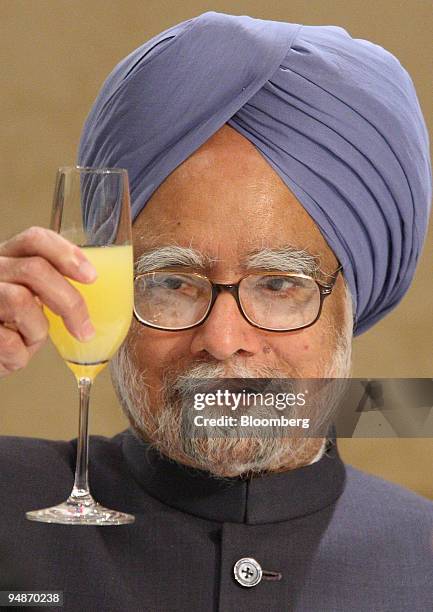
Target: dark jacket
(328, 537)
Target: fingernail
(87, 331)
(87, 271)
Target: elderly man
(261, 155)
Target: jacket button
(247, 572)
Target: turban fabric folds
(336, 117)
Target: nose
(225, 332)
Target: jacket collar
(267, 498)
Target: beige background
(55, 55)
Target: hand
(32, 269)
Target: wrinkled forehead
(226, 201)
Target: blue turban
(336, 117)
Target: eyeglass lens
(177, 300)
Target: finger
(14, 355)
(66, 257)
(33, 348)
(51, 288)
(20, 313)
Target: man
(255, 150)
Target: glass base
(82, 511)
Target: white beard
(222, 456)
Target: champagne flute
(91, 208)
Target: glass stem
(80, 492)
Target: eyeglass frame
(325, 289)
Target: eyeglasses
(273, 301)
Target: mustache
(190, 379)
